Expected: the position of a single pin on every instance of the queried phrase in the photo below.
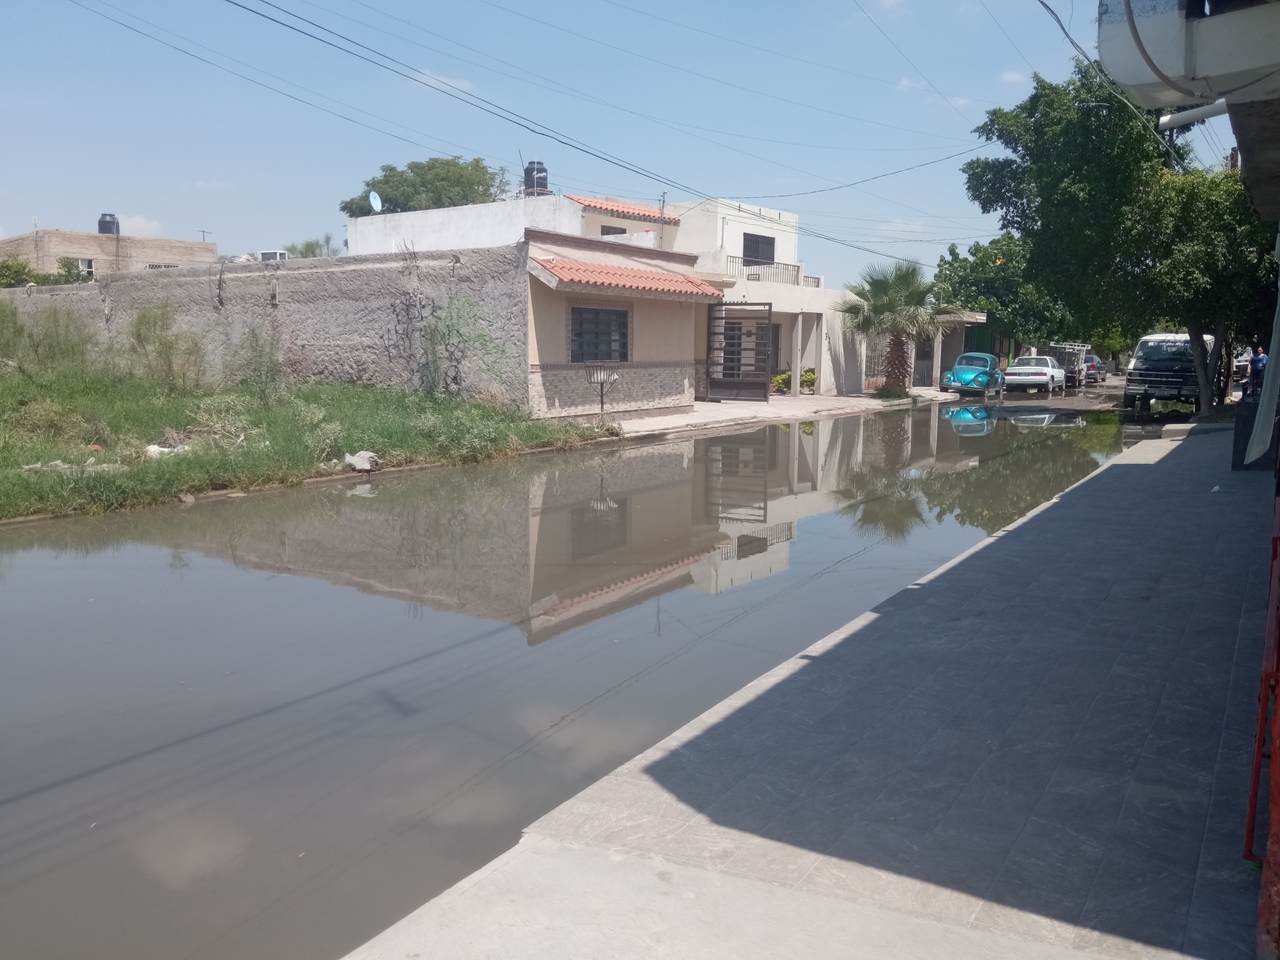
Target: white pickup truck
(1070, 357)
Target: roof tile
(635, 211)
(630, 278)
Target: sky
(258, 141)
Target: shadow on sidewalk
(1060, 723)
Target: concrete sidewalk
(731, 414)
(1040, 750)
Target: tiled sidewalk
(1042, 748)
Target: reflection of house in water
(549, 544)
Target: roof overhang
(575, 276)
(1256, 125)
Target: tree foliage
(429, 184)
(315, 247)
(1125, 243)
(897, 302)
(993, 279)
(16, 272)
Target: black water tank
(107, 223)
(535, 178)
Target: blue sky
(739, 100)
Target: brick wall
(561, 389)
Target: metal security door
(737, 477)
(739, 358)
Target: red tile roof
(620, 208)
(630, 278)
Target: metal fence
(769, 272)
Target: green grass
(239, 438)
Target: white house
(773, 317)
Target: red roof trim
(629, 278)
(620, 208)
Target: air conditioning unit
(268, 255)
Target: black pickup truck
(1162, 368)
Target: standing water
(270, 727)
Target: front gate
(739, 351)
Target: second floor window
(756, 249)
(608, 231)
(597, 335)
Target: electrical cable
(845, 186)
(1110, 85)
(541, 21)
(902, 53)
(776, 53)
(1001, 28)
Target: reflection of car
(1095, 371)
(974, 373)
(970, 421)
(1043, 373)
(1046, 420)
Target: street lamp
(601, 375)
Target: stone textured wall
(400, 320)
(561, 389)
(110, 254)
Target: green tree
(1112, 232)
(315, 247)
(992, 279)
(897, 302)
(428, 184)
(16, 272)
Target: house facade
(772, 316)
(106, 251)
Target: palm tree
(895, 300)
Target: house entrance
(740, 339)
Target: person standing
(1257, 368)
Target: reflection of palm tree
(885, 498)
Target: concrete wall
(348, 319)
(451, 228)
(718, 225)
(42, 248)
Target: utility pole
(203, 234)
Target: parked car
(1095, 371)
(1041, 373)
(974, 373)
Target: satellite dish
(375, 201)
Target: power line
(703, 76)
(904, 56)
(1107, 82)
(845, 186)
(771, 52)
(1006, 34)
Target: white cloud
(1013, 76)
(212, 186)
(461, 84)
(889, 4)
(137, 225)
(910, 83)
(959, 102)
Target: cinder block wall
(399, 320)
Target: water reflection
(1007, 464)
(205, 709)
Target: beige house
(103, 253)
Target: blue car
(970, 421)
(977, 373)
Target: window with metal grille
(608, 231)
(756, 250)
(597, 335)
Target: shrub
(782, 382)
(174, 358)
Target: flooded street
(269, 727)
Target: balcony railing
(767, 272)
(812, 281)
